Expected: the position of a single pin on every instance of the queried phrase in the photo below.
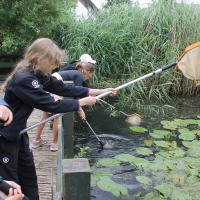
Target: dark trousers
(16, 164)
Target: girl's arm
(68, 90)
(35, 96)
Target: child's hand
(112, 90)
(82, 114)
(87, 101)
(95, 92)
(16, 197)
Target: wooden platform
(45, 160)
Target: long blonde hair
(39, 49)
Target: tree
(23, 21)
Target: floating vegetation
(138, 129)
(108, 162)
(144, 151)
(144, 180)
(186, 134)
(108, 185)
(170, 169)
(161, 134)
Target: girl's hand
(82, 114)
(16, 190)
(87, 101)
(112, 91)
(6, 115)
(95, 92)
(16, 197)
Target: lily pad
(138, 129)
(186, 134)
(169, 125)
(164, 189)
(144, 151)
(144, 180)
(194, 152)
(148, 143)
(163, 144)
(180, 195)
(125, 157)
(153, 196)
(108, 185)
(193, 144)
(196, 132)
(140, 162)
(108, 162)
(161, 134)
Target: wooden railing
(73, 174)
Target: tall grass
(128, 42)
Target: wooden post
(68, 134)
(76, 179)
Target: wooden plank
(45, 160)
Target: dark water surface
(103, 123)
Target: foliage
(172, 172)
(116, 2)
(138, 129)
(128, 42)
(23, 21)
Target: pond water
(146, 162)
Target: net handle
(165, 67)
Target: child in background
(81, 72)
(28, 87)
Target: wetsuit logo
(35, 84)
(6, 159)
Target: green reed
(128, 42)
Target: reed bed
(129, 41)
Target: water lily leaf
(157, 166)
(181, 122)
(161, 134)
(196, 132)
(140, 162)
(108, 162)
(108, 185)
(125, 157)
(192, 121)
(144, 151)
(177, 153)
(148, 143)
(96, 175)
(94, 180)
(163, 155)
(144, 180)
(162, 144)
(169, 125)
(164, 189)
(138, 129)
(153, 196)
(194, 152)
(186, 134)
(193, 144)
(192, 162)
(180, 195)
(101, 173)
